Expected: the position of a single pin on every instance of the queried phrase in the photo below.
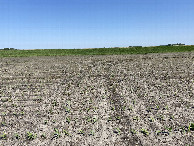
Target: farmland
(139, 99)
(96, 51)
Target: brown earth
(97, 100)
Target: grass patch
(96, 51)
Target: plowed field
(97, 100)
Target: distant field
(98, 51)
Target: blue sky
(53, 24)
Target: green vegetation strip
(96, 51)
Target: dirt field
(116, 100)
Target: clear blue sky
(47, 24)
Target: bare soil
(97, 100)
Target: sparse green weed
(81, 132)
(151, 119)
(157, 107)
(3, 123)
(54, 103)
(109, 119)
(158, 132)
(43, 136)
(112, 108)
(133, 131)
(67, 109)
(3, 136)
(68, 120)
(136, 118)
(17, 136)
(92, 133)
(3, 113)
(130, 108)
(56, 133)
(169, 129)
(117, 131)
(92, 120)
(133, 102)
(191, 127)
(66, 132)
(30, 136)
(171, 117)
(144, 131)
(118, 117)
